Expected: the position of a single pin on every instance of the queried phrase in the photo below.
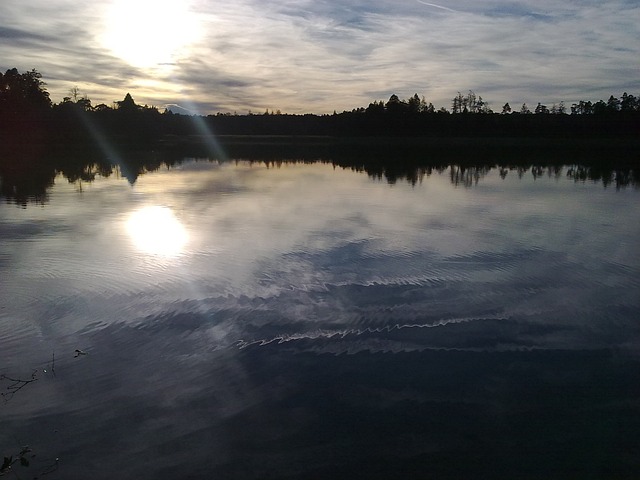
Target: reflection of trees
(620, 177)
(25, 176)
(467, 176)
(86, 173)
(26, 173)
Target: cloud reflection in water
(465, 314)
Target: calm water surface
(305, 321)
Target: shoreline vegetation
(397, 139)
(27, 115)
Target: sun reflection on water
(156, 230)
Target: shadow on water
(28, 171)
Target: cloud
(17, 35)
(437, 6)
(303, 56)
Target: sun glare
(156, 230)
(150, 33)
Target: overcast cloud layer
(304, 56)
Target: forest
(27, 114)
(393, 140)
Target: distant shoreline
(613, 151)
(467, 140)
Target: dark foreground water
(240, 322)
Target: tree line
(26, 111)
(471, 103)
(40, 139)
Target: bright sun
(156, 230)
(150, 33)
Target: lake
(246, 320)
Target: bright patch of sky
(302, 56)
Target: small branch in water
(20, 457)
(17, 385)
(25, 458)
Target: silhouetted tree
(457, 104)
(22, 93)
(506, 108)
(599, 107)
(127, 104)
(415, 104)
(613, 104)
(75, 93)
(395, 106)
(375, 108)
(582, 108)
(541, 109)
(469, 103)
(481, 106)
(82, 103)
(629, 103)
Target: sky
(303, 56)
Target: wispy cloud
(436, 6)
(317, 56)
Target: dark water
(311, 322)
